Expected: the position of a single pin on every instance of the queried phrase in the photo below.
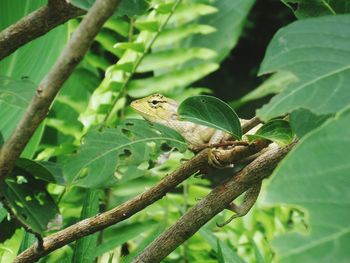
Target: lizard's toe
(214, 159)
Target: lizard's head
(156, 108)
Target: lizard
(157, 108)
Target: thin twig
(53, 81)
(249, 124)
(36, 24)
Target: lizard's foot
(214, 159)
(249, 200)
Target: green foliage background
(91, 154)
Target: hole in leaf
(40, 197)
(165, 147)
(119, 172)
(126, 154)
(19, 204)
(28, 198)
(143, 166)
(127, 132)
(151, 145)
(21, 179)
(151, 164)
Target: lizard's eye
(154, 102)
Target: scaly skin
(160, 109)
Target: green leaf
(273, 85)
(30, 201)
(170, 36)
(3, 212)
(320, 44)
(219, 251)
(151, 26)
(47, 171)
(138, 47)
(304, 121)
(155, 232)
(212, 112)
(33, 60)
(191, 11)
(126, 7)
(227, 253)
(1, 139)
(169, 81)
(25, 68)
(315, 177)
(119, 235)
(84, 249)
(228, 27)
(278, 131)
(132, 8)
(309, 8)
(27, 240)
(116, 155)
(14, 99)
(173, 57)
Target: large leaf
(303, 121)
(317, 52)
(315, 177)
(273, 85)
(116, 155)
(307, 8)
(228, 22)
(15, 96)
(30, 201)
(28, 64)
(212, 112)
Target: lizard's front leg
(249, 200)
(213, 153)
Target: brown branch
(53, 81)
(131, 207)
(36, 24)
(249, 124)
(219, 199)
(120, 213)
